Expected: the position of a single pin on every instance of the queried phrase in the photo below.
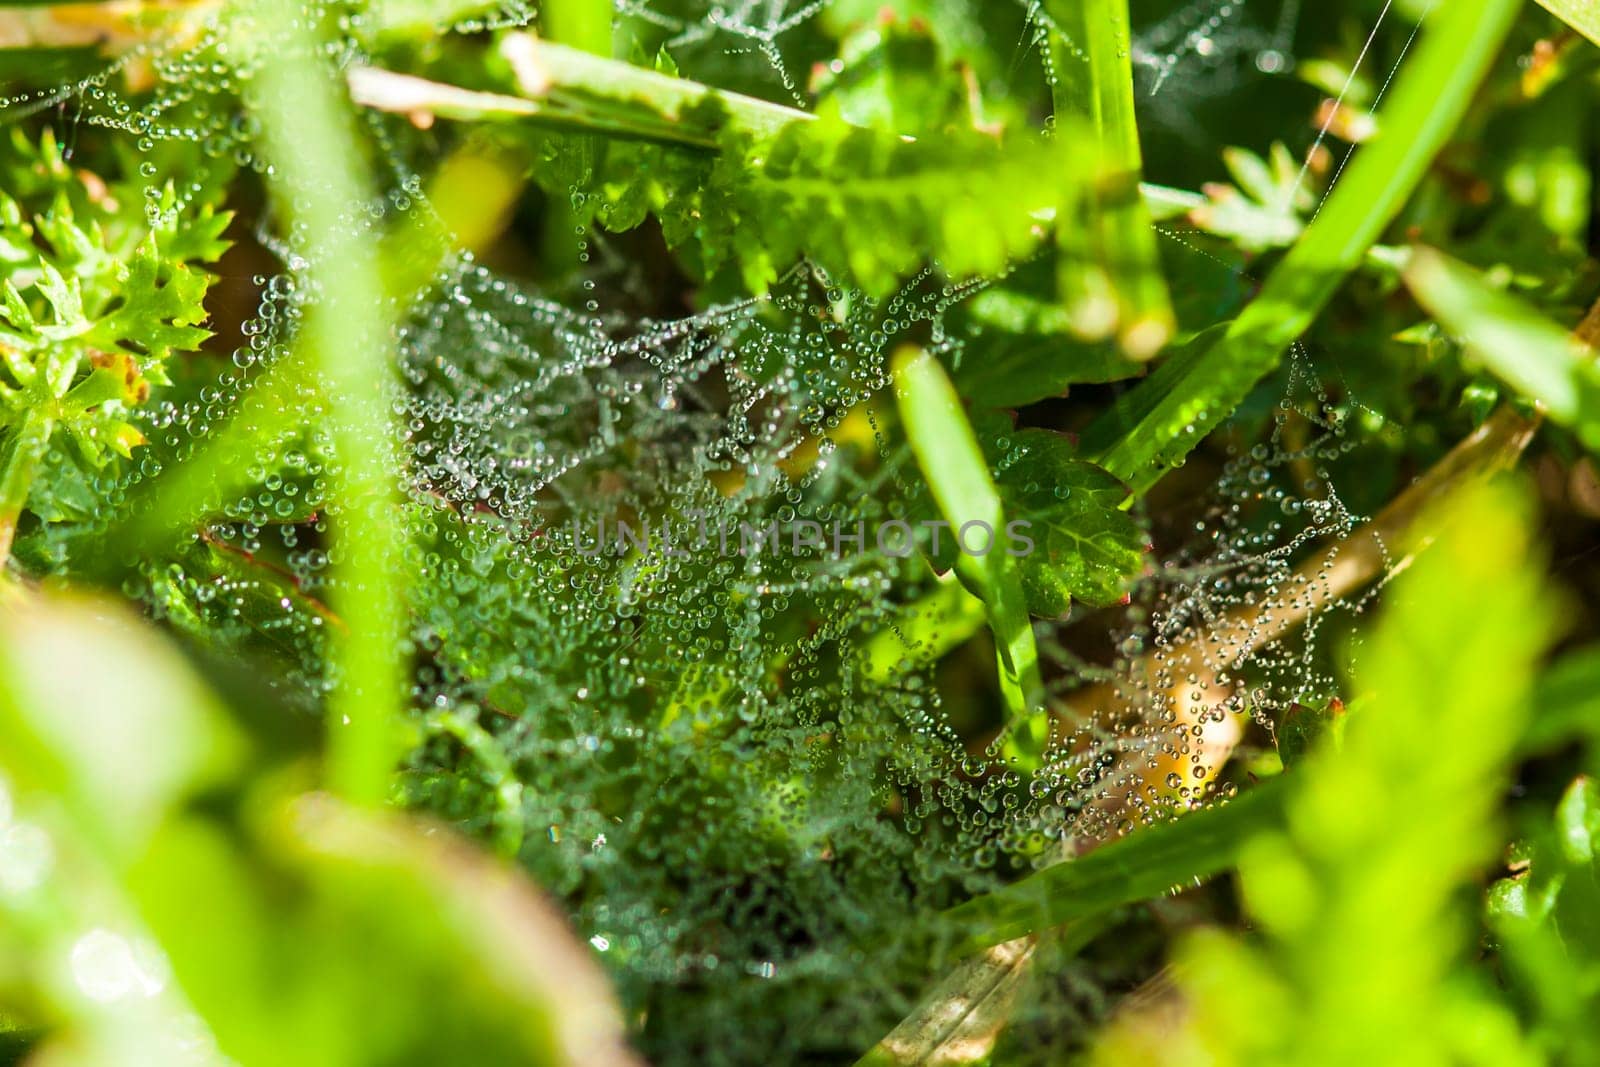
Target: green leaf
(1526, 350)
(160, 311)
(94, 305)
(963, 201)
(1087, 547)
(1545, 921)
(281, 919)
(835, 194)
(1019, 348)
(737, 182)
(66, 732)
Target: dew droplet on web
(108, 967)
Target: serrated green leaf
(1086, 546)
(742, 184)
(159, 312)
(832, 192)
(91, 312)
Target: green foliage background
(333, 334)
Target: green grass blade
(1581, 15)
(584, 24)
(348, 338)
(931, 626)
(568, 88)
(1143, 865)
(572, 78)
(1528, 351)
(1429, 97)
(269, 414)
(958, 476)
(1092, 58)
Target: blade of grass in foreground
(310, 134)
(1525, 349)
(1093, 77)
(1156, 425)
(958, 476)
(584, 24)
(1360, 906)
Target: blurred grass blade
(958, 476)
(1534, 355)
(274, 409)
(582, 24)
(1356, 901)
(402, 18)
(1141, 866)
(1567, 704)
(118, 744)
(348, 336)
(1581, 15)
(931, 626)
(1156, 424)
(1093, 66)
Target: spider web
(695, 753)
